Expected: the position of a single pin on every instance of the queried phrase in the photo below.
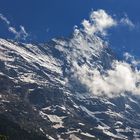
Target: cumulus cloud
(121, 78)
(87, 71)
(99, 21)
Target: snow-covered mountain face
(71, 88)
(56, 63)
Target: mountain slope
(44, 89)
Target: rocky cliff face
(44, 90)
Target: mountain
(45, 92)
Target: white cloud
(23, 31)
(122, 77)
(130, 58)
(3, 18)
(12, 30)
(127, 22)
(21, 34)
(99, 21)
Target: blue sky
(46, 19)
